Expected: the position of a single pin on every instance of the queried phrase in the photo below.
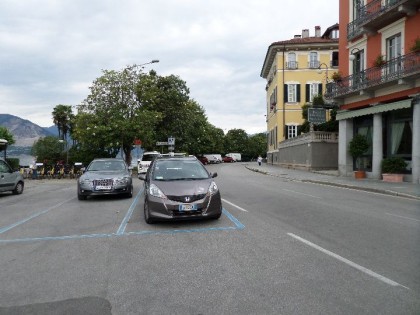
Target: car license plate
(103, 187)
(188, 207)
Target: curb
(374, 190)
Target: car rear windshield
(167, 170)
(106, 166)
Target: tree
(236, 140)
(48, 150)
(112, 115)
(6, 135)
(62, 118)
(257, 145)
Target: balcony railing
(392, 70)
(291, 65)
(313, 64)
(368, 13)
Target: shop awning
(347, 114)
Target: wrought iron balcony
(379, 13)
(291, 65)
(402, 67)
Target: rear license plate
(103, 187)
(188, 207)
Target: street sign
(171, 141)
(316, 115)
(161, 143)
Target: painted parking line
(7, 228)
(130, 211)
(236, 206)
(348, 262)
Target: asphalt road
(281, 247)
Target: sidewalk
(404, 189)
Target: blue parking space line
(127, 217)
(238, 226)
(7, 228)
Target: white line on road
(296, 192)
(348, 262)
(399, 216)
(232, 204)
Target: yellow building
(296, 70)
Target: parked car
(203, 160)
(105, 177)
(180, 188)
(228, 159)
(236, 156)
(144, 162)
(214, 158)
(10, 180)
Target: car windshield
(167, 170)
(106, 166)
(148, 157)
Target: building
(296, 70)
(379, 88)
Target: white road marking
(232, 204)
(296, 192)
(399, 216)
(348, 262)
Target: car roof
(108, 159)
(177, 158)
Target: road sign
(316, 115)
(171, 141)
(161, 143)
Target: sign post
(316, 115)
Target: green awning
(347, 114)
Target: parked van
(236, 156)
(146, 159)
(214, 158)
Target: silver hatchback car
(180, 188)
(10, 180)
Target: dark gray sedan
(180, 188)
(105, 177)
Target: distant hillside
(24, 131)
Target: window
(400, 133)
(313, 60)
(334, 61)
(358, 67)
(393, 51)
(357, 9)
(291, 61)
(273, 99)
(291, 131)
(313, 89)
(292, 93)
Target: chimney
(305, 33)
(317, 31)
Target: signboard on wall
(316, 115)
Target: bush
(13, 162)
(393, 165)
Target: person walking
(259, 160)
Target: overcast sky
(51, 51)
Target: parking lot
(49, 210)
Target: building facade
(379, 87)
(296, 70)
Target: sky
(52, 51)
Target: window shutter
(286, 132)
(285, 93)
(298, 93)
(308, 91)
(320, 89)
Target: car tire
(81, 197)
(130, 193)
(18, 188)
(147, 217)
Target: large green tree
(236, 140)
(112, 116)
(6, 135)
(257, 145)
(48, 150)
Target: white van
(235, 156)
(146, 159)
(214, 158)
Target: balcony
(402, 68)
(291, 65)
(313, 64)
(379, 13)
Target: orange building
(378, 89)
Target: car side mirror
(213, 175)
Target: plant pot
(359, 174)
(393, 178)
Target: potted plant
(379, 61)
(416, 45)
(336, 76)
(357, 146)
(392, 169)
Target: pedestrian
(259, 160)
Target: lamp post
(353, 53)
(67, 151)
(326, 71)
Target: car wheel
(147, 217)
(130, 193)
(81, 197)
(18, 188)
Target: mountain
(24, 131)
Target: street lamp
(67, 151)
(353, 53)
(148, 63)
(326, 71)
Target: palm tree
(62, 116)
